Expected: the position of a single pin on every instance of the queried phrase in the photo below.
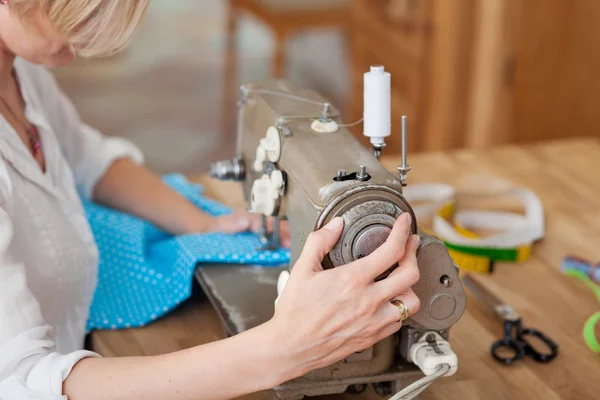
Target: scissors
(516, 337)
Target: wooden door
(557, 70)
(536, 71)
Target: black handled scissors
(517, 339)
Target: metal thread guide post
(325, 112)
(404, 168)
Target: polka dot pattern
(144, 273)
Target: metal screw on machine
(377, 151)
(404, 168)
(446, 281)
(341, 173)
(283, 129)
(362, 174)
(244, 97)
(325, 112)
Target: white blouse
(48, 258)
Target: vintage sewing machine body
(295, 161)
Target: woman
(48, 257)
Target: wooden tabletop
(565, 175)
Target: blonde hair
(95, 27)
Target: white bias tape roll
(435, 195)
(515, 230)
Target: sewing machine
(296, 160)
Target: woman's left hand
(156, 202)
(243, 221)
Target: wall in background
(166, 91)
(475, 73)
(468, 73)
(557, 70)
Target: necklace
(33, 136)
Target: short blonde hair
(95, 27)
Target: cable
(297, 98)
(433, 355)
(287, 95)
(415, 389)
(352, 124)
(285, 118)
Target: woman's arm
(131, 188)
(249, 362)
(321, 318)
(108, 169)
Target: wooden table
(565, 175)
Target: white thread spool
(377, 105)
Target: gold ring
(404, 313)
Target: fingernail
(408, 218)
(334, 224)
(417, 240)
(243, 223)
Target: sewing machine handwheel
(369, 215)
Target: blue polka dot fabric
(144, 273)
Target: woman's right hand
(323, 316)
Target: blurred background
(468, 73)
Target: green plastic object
(589, 329)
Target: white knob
(264, 196)
(272, 144)
(324, 126)
(261, 157)
(277, 179)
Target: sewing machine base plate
(244, 296)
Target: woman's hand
(324, 316)
(321, 318)
(135, 190)
(243, 221)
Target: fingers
(319, 243)
(403, 277)
(388, 253)
(242, 222)
(386, 323)
(392, 313)
(233, 223)
(387, 331)
(286, 239)
(344, 351)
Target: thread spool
(377, 105)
